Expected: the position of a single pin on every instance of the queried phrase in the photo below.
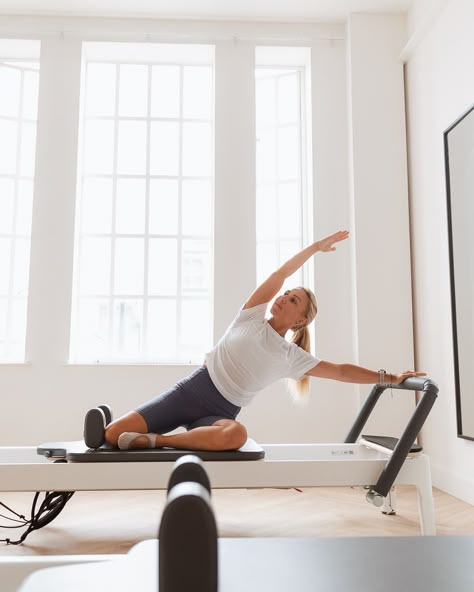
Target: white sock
(126, 440)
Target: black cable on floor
(51, 506)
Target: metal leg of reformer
(425, 498)
(389, 506)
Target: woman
(252, 354)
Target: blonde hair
(301, 337)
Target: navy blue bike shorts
(192, 402)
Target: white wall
(440, 87)
(379, 187)
(46, 399)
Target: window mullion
(144, 345)
(277, 172)
(10, 305)
(114, 207)
(179, 300)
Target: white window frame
(304, 180)
(23, 54)
(194, 354)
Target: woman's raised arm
(272, 285)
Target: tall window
(143, 269)
(19, 76)
(283, 164)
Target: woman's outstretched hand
(398, 378)
(326, 244)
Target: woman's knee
(234, 434)
(132, 422)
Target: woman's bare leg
(224, 434)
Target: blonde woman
(252, 354)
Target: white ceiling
(271, 10)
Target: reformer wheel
(189, 468)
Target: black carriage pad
(79, 452)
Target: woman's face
(290, 308)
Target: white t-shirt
(252, 355)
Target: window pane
(127, 328)
(8, 146)
(265, 101)
(99, 147)
(95, 266)
(92, 329)
(197, 92)
(195, 322)
(197, 208)
(164, 148)
(10, 79)
(30, 95)
(165, 91)
(196, 266)
(133, 91)
(162, 329)
(7, 205)
(267, 221)
(162, 267)
(96, 206)
(266, 156)
(5, 254)
(288, 99)
(289, 248)
(289, 210)
(163, 216)
(267, 260)
(100, 97)
(130, 206)
(197, 150)
(132, 140)
(289, 153)
(27, 154)
(129, 265)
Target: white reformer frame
(284, 465)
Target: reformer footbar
(402, 446)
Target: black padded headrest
(188, 541)
(189, 468)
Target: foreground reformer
(188, 555)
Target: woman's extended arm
(272, 285)
(356, 374)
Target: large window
(283, 163)
(143, 264)
(19, 76)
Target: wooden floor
(112, 522)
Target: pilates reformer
(376, 463)
(189, 556)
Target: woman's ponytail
(301, 337)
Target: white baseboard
(456, 485)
